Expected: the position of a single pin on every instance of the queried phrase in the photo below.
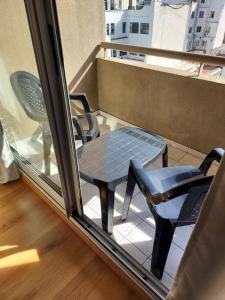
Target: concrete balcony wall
(82, 28)
(188, 110)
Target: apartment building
(147, 23)
(207, 27)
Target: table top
(107, 158)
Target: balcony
(181, 106)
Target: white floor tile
(142, 237)
(133, 251)
(173, 260)
(140, 207)
(92, 215)
(182, 235)
(116, 236)
(166, 279)
(125, 227)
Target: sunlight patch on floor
(20, 258)
(8, 247)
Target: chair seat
(164, 179)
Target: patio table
(104, 162)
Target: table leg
(107, 195)
(165, 158)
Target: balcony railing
(178, 55)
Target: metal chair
(174, 195)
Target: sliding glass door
(58, 134)
(22, 103)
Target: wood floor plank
(42, 258)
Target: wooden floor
(42, 258)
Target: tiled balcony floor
(136, 234)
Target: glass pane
(118, 115)
(22, 106)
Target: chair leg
(163, 239)
(131, 182)
(107, 196)
(36, 134)
(165, 158)
(47, 143)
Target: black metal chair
(174, 195)
(27, 89)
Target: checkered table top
(107, 158)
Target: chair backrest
(28, 91)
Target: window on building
(190, 29)
(142, 55)
(124, 27)
(134, 27)
(107, 29)
(204, 43)
(112, 28)
(144, 28)
(199, 28)
(207, 30)
(202, 1)
(224, 39)
(122, 53)
(212, 14)
(147, 2)
(114, 53)
(189, 44)
(112, 4)
(193, 14)
(201, 14)
(133, 54)
(197, 43)
(106, 4)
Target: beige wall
(82, 25)
(187, 110)
(16, 53)
(82, 29)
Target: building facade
(147, 23)
(183, 25)
(206, 27)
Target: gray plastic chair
(174, 195)
(28, 91)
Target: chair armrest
(79, 129)
(184, 188)
(216, 154)
(153, 196)
(83, 99)
(143, 181)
